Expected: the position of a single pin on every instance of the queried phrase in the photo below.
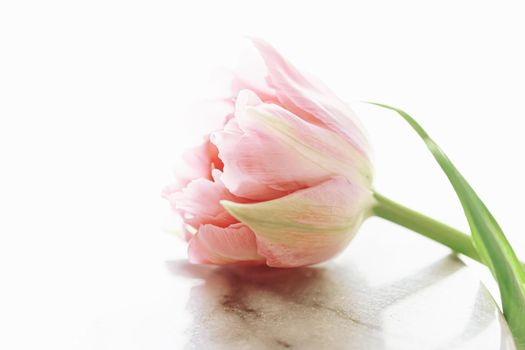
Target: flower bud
(286, 182)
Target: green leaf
(488, 238)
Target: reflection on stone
(335, 307)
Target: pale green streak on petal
(270, 220)
(345, 160)
(334, 207)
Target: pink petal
(308, 226)
(308, 99)
(231, 245)
(199, 162)
(250, 74)
(198, 203)
(269, 152)
(203, 158)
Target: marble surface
(390, 289)
(360, 302)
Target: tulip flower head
(285, 182)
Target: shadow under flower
(328, 306)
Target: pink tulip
(286, 182)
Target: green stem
(454, 239)
(428, 227)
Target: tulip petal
(216, 245)
(251, 73)
(269, 152)
(198, 203)
(198, 163)
(318, 104)
(308, 226)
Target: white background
(95, 100)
